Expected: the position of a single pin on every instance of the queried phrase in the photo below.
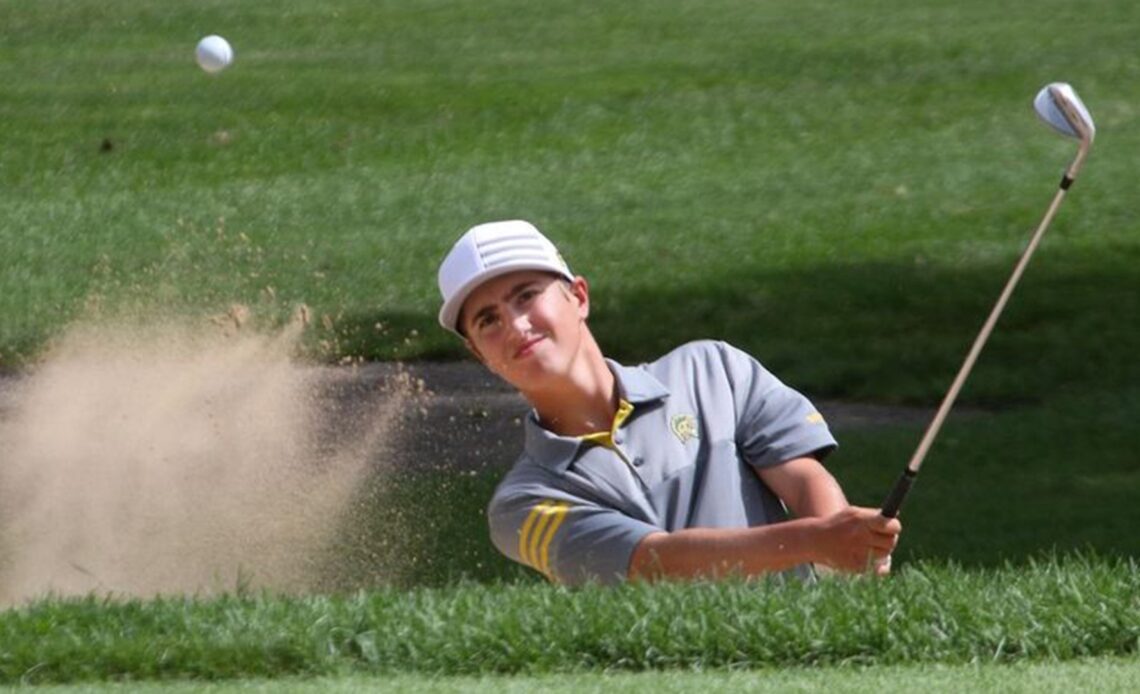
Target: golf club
(1058, 105)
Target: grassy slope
(840, 190)
(1050, 611)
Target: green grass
(1053, 610)
(1101, 675)
(841, 190)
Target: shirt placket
(633, 464)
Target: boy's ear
(580, 290)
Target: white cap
(487, 251)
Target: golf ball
(214, 54)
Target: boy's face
(526, 326)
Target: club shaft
(983, 335)
(902, 486)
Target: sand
(180, 457)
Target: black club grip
(898, 493)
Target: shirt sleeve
(774, 423)
(569, 540)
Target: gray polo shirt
(704, 417)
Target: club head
(1058, 105)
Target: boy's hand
(858, 540)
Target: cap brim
(449, 312)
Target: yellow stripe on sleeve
(538, 532)
(533, 526)
(559, 515)
(524, 534)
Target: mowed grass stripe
(1053, 610)
(1099, 675)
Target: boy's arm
(847, 540)
(809, 490)
(826, 530)
(805, 486)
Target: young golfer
(685, 467)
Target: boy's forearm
(719, 552)
(854, 539)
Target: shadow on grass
(881, 332)
(1059, 477)
(894, 333)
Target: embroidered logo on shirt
(685, 427)
(814, 418)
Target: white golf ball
(214, 54)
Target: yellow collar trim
(606, 438)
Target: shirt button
(638, 461)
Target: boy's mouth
(527, 347)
